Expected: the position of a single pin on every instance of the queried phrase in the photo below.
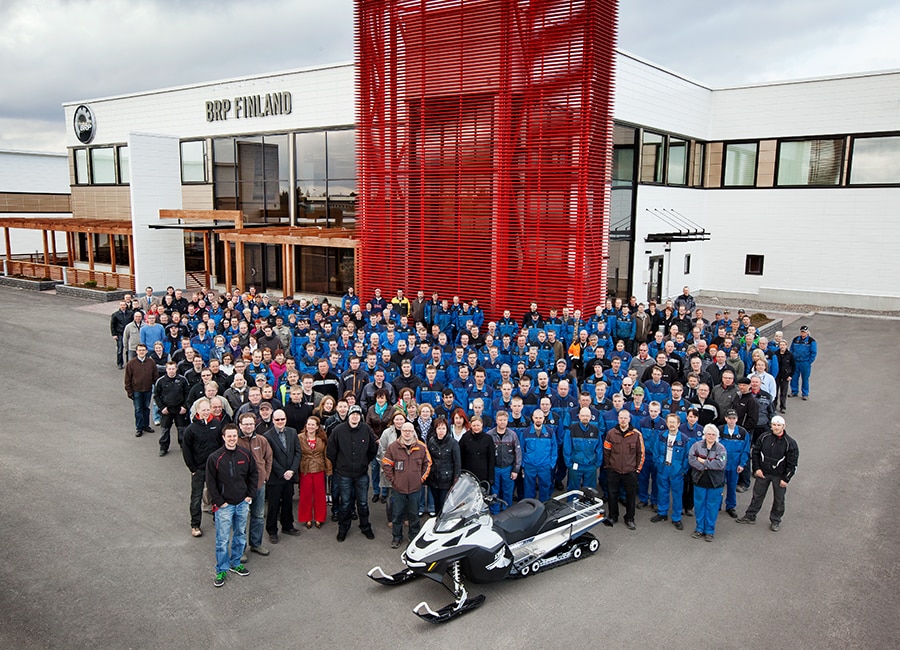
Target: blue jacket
(583, 445)
(625, 327)
(693, 434)
(507, 326)
(649, 429)
(737, 445)
(804, 351)
(538, 450)
(657, 392)
(680, 450)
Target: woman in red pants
(314, 466)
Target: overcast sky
(53, 51)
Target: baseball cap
(730, 413)
(743, 380)
(355, 409)
(265, 405)
(804, 328)
(638, 391)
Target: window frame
(841, 164)
(851, 153)
(749, 264)
(92, 167)
(204, 156)
(725, 146)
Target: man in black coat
(280, 486)
(351, 448)
(117, 322)
(201, 438)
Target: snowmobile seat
(520, 520)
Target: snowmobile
(467, 542)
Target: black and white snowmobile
(467, 542)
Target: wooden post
(227, 248)
(90, 242)
(239, 263)
(130, 254)
(70, 249)
(112, 252)
(206, 268)
(53, 241)
(6, 240)
(46, 248)
(285, 267)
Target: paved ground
(97, 552)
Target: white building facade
(780, 192)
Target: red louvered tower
(484, 149)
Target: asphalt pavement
(97, 551)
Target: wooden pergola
(287, 237)
(72, 226)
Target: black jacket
(231, 475)
(171, 391)
(350, 450)
(786, 365)
(119, 320)
(446, 463)
(200, 440)
(747, 410)
(477, 455)
(775, 456)
(284, 457)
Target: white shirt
(670, 441)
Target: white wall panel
(155, 185)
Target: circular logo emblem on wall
(85, 127)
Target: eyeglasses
(279, 419)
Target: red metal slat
(485, 138)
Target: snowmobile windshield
(464, 502)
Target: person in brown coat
(623, 457)
(407, 464)
(314, 467)
(257, 445)
(140, 375)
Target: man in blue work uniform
(804, 349)
(736, 441)
(650, 426)
(670, 449)
(539, 451)
(582, 451)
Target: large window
(124, 165)
(652, 158)
(677, 167)
(81, 167)
(103, 166)
(193, 161)
(740, 164)
(251, 174)
(810, 162)
(326, 178)
(875, 161)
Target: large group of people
(659, 406)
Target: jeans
(377, 487)
(439, 495)
(670, 483)
(141, 401)
(257, 522)
(426, 500)
(198, 480)
(119, 349)
(405, 507)
(503, 488)
(760, 487)
(538, 481)
(230, 519)
(706, 508)
(352, 490)
(784, 388)
(801, 375)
